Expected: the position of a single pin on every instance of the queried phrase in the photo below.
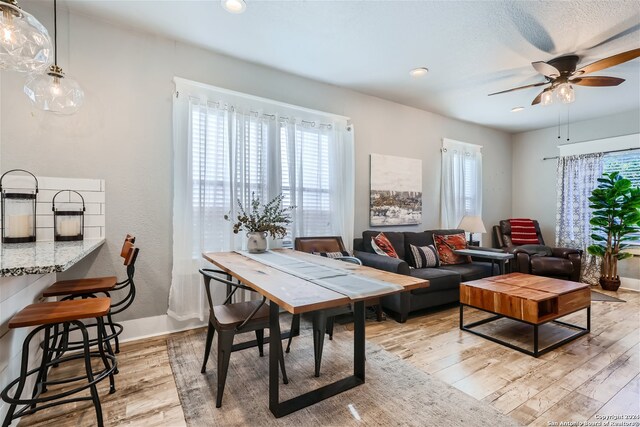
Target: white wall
(123, 134)
(534, 179)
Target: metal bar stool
(230, 319)
(90, 288)
(46, 316)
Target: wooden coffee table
(534, 300)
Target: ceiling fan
(560, 73)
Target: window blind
(628, 164)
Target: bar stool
(89, 288)
(45, 316)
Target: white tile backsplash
(92, 190)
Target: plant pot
(610, 284)
(257, 242)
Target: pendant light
(25, 45)
(53, 91)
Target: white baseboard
(630, 284)
(148, 327)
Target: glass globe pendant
(25, 45)
(53, 91)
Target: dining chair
(230, 319)
(323, 320)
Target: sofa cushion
(423, 256)
(446, 244)
(396, 239)
(472, 271)
(417, 239)
(439, 279)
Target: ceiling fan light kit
(546, 98)
(25, 45)
(562, 73)
(53, 91)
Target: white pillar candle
(18, 225)
(68, 228)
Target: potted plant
(616, 216)
(259, 221)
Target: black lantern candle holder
(68, 225)
(18, 212)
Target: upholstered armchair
(540, 260)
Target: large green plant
(616, 216)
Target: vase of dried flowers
(260, 221)
(256, 242)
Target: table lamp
(472, 224)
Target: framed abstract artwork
(396, 191)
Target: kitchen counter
(19, 259)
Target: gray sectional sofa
(444, 280)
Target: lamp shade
(472, 224)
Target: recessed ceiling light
(419, 72)
(517, 109)
(234, 6)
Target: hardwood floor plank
(626, 401)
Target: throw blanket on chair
(523, 232)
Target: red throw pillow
(446, 244)
(383, 244)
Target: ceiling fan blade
(538, 98)
(596, 81)
(518, 88)
(546, 69)
(608, 62)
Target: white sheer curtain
(461, 184)
(224, 153)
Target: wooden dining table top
(297, 295)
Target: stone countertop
(18, 259)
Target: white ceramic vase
(257, 242)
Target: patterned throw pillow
(446, 244)
(382, 246)
(424, 256)
(333, 254)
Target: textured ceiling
(471, 48)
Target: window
(228, 145)
(461, 183)
(305, 180)
(628, 164)
(236, 152)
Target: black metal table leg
(274, 351)
(358, 340)
(280, 409)
(536, 348)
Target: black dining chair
(230, 319)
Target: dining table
(299, 282)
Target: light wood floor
(598, 374)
